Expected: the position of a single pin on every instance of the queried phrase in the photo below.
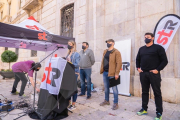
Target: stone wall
(98, 20)
(147, 15)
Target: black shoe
(81, 94)
(88, 97)
(15, 93)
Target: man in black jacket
(150, 60)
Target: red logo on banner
(42, 36)
(164, 40)
(164, 36)
(49, 80)
(49, 69)
(22, 45)
(34, 27)
(125, 66)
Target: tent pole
(34, 91)
(45, 57)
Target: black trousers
(147, 79)
(19, 76)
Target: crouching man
(19, 69)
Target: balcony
(30, 4)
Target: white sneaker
(71, 107)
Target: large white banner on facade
(125, 48)
(166, 29)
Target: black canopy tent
(17, 37)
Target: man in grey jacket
(86, 62)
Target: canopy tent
(33, 38)
(33, 24)
(31, 35)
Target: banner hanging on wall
(165, 30)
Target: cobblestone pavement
(90, 109)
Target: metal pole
(45, 58)
(34, 90)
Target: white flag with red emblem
(53, 75)
(165, 30)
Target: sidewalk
(90, 109)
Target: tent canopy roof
(18, 37)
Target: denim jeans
(75, 95)
(85, 74)
(106, 88)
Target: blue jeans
(85, 74)
(106, 87)
(75, 95)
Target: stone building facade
(95, 21)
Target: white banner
(166, 29)
(53, 75)
(125, 49)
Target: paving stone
(127, 114)
(177, 107)
(176, 115)
(90, 109)
(111, 117)
(148, 118)
(168, 112)
(136, 117)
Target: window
(17, 51)
(67, 20)
(1, 14)
(6, 48)
(33, 53)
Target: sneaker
(15, 93)
(81, 94)
(71, 107)
(88, 97)
(69, 104)
(93, 91)
(158, 117)
(142, 112)
(115, 106)
(23, 96)
(104, 103)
